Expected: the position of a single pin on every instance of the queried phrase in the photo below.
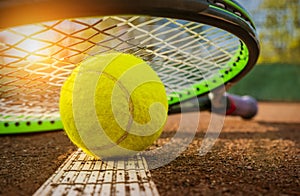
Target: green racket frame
(224, 14)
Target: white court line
(82, 175)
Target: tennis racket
(194, 46)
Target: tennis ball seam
(131, 110)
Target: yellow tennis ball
(113, 105)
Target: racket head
(219, 20)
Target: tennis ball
(113, 105)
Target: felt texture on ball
(113, 105)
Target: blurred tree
(280, 31)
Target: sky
(250, 4)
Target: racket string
(36, 59)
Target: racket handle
(244, 106)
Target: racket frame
(227, 15)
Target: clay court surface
(257, 157)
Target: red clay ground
(257, 157)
